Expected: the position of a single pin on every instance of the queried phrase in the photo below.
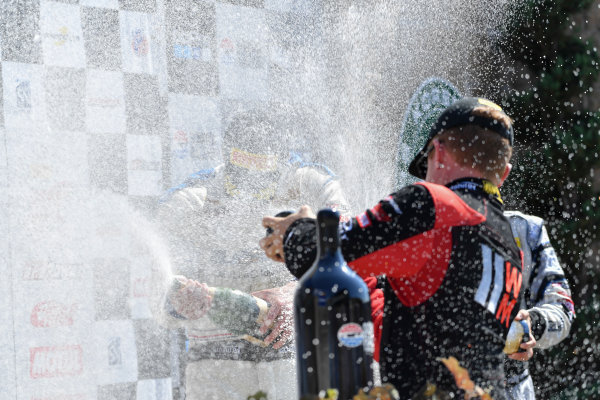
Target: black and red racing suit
(453, 278)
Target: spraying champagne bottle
(334, 332)
(238, 312)
(518, 333)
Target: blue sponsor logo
(188, 52)
(114, 352)
(23, 94)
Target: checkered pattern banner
(126, 97)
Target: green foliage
(260, 395)
(557, 160)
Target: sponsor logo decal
(189, 52)
(253, 162)
(141, 287)
(37, 270)
(115, 358)
(488, 187)
(465, 185)
(23, 95)
(56, 361)
(51, 314)
(341, 209)
(62, 36)
(180, 136)
(500, 285)
(139, 42)
(561, 288)
(180, 144)
(512, 285)
(492, 189)
(227, 51)
(363, 220)
(350, 335)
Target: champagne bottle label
(350, 335)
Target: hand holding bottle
(273, 243)
(280, 318)
(526, 341)
(189, 298)
(238, 312)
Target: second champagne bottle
(334, 332)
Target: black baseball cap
(460, 113)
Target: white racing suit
(547, 297)
(213, 234)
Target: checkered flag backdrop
(105, 100)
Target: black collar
(476, 185)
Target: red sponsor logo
(180, 136)
(351, 329)
(227, 44)
(139, 43)
(341, 209)
(350, 335)
(56, 361)
(363, 220)
(227, 51)
(512, 284)
(50, 314)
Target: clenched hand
(280, 318)
(273, 244)
(192, 299)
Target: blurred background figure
(211, 223)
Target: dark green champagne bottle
(334, 332)
(238, 312)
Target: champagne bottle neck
(327, 234)
(328, 246)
